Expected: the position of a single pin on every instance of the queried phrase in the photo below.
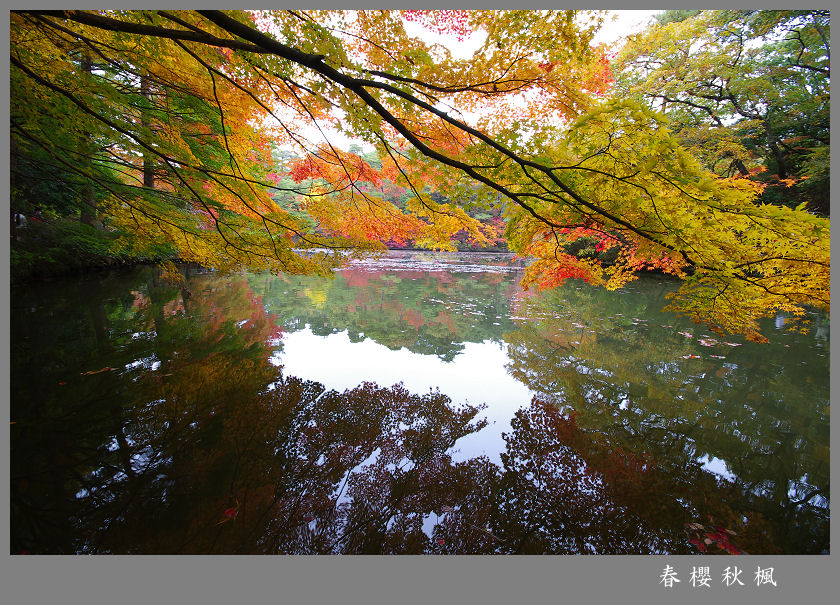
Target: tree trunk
(148, 158)
(89, 215)
(781, 167)
(13, 155)
(88, 211)
(740, 166)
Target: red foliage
(414, 318)
(709, 539)
(302, 169)
(602, 76)
(446, 22)
(556, 275)
(336, 167)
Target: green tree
(744, 89)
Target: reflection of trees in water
(271, 473)
(196, 444)
(81, 369)
(427, 312)
(640, 386)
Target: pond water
(419, 403)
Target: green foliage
(61, 245)
(746, 90)
(674, 16)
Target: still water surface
(421, 403)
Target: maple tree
(168, 114)
(747, 90)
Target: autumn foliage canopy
(169, 119)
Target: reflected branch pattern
(158, 424)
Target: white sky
(340, 364)
(622, 23)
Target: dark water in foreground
(256, 414)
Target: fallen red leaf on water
(105, 369)
(732, 550)
(700, 546)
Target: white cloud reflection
(477, 375)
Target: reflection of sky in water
(479, 371)
(463, 262)
(716, 466)
(752, 415)
(475, 376)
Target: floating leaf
(105, 369)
